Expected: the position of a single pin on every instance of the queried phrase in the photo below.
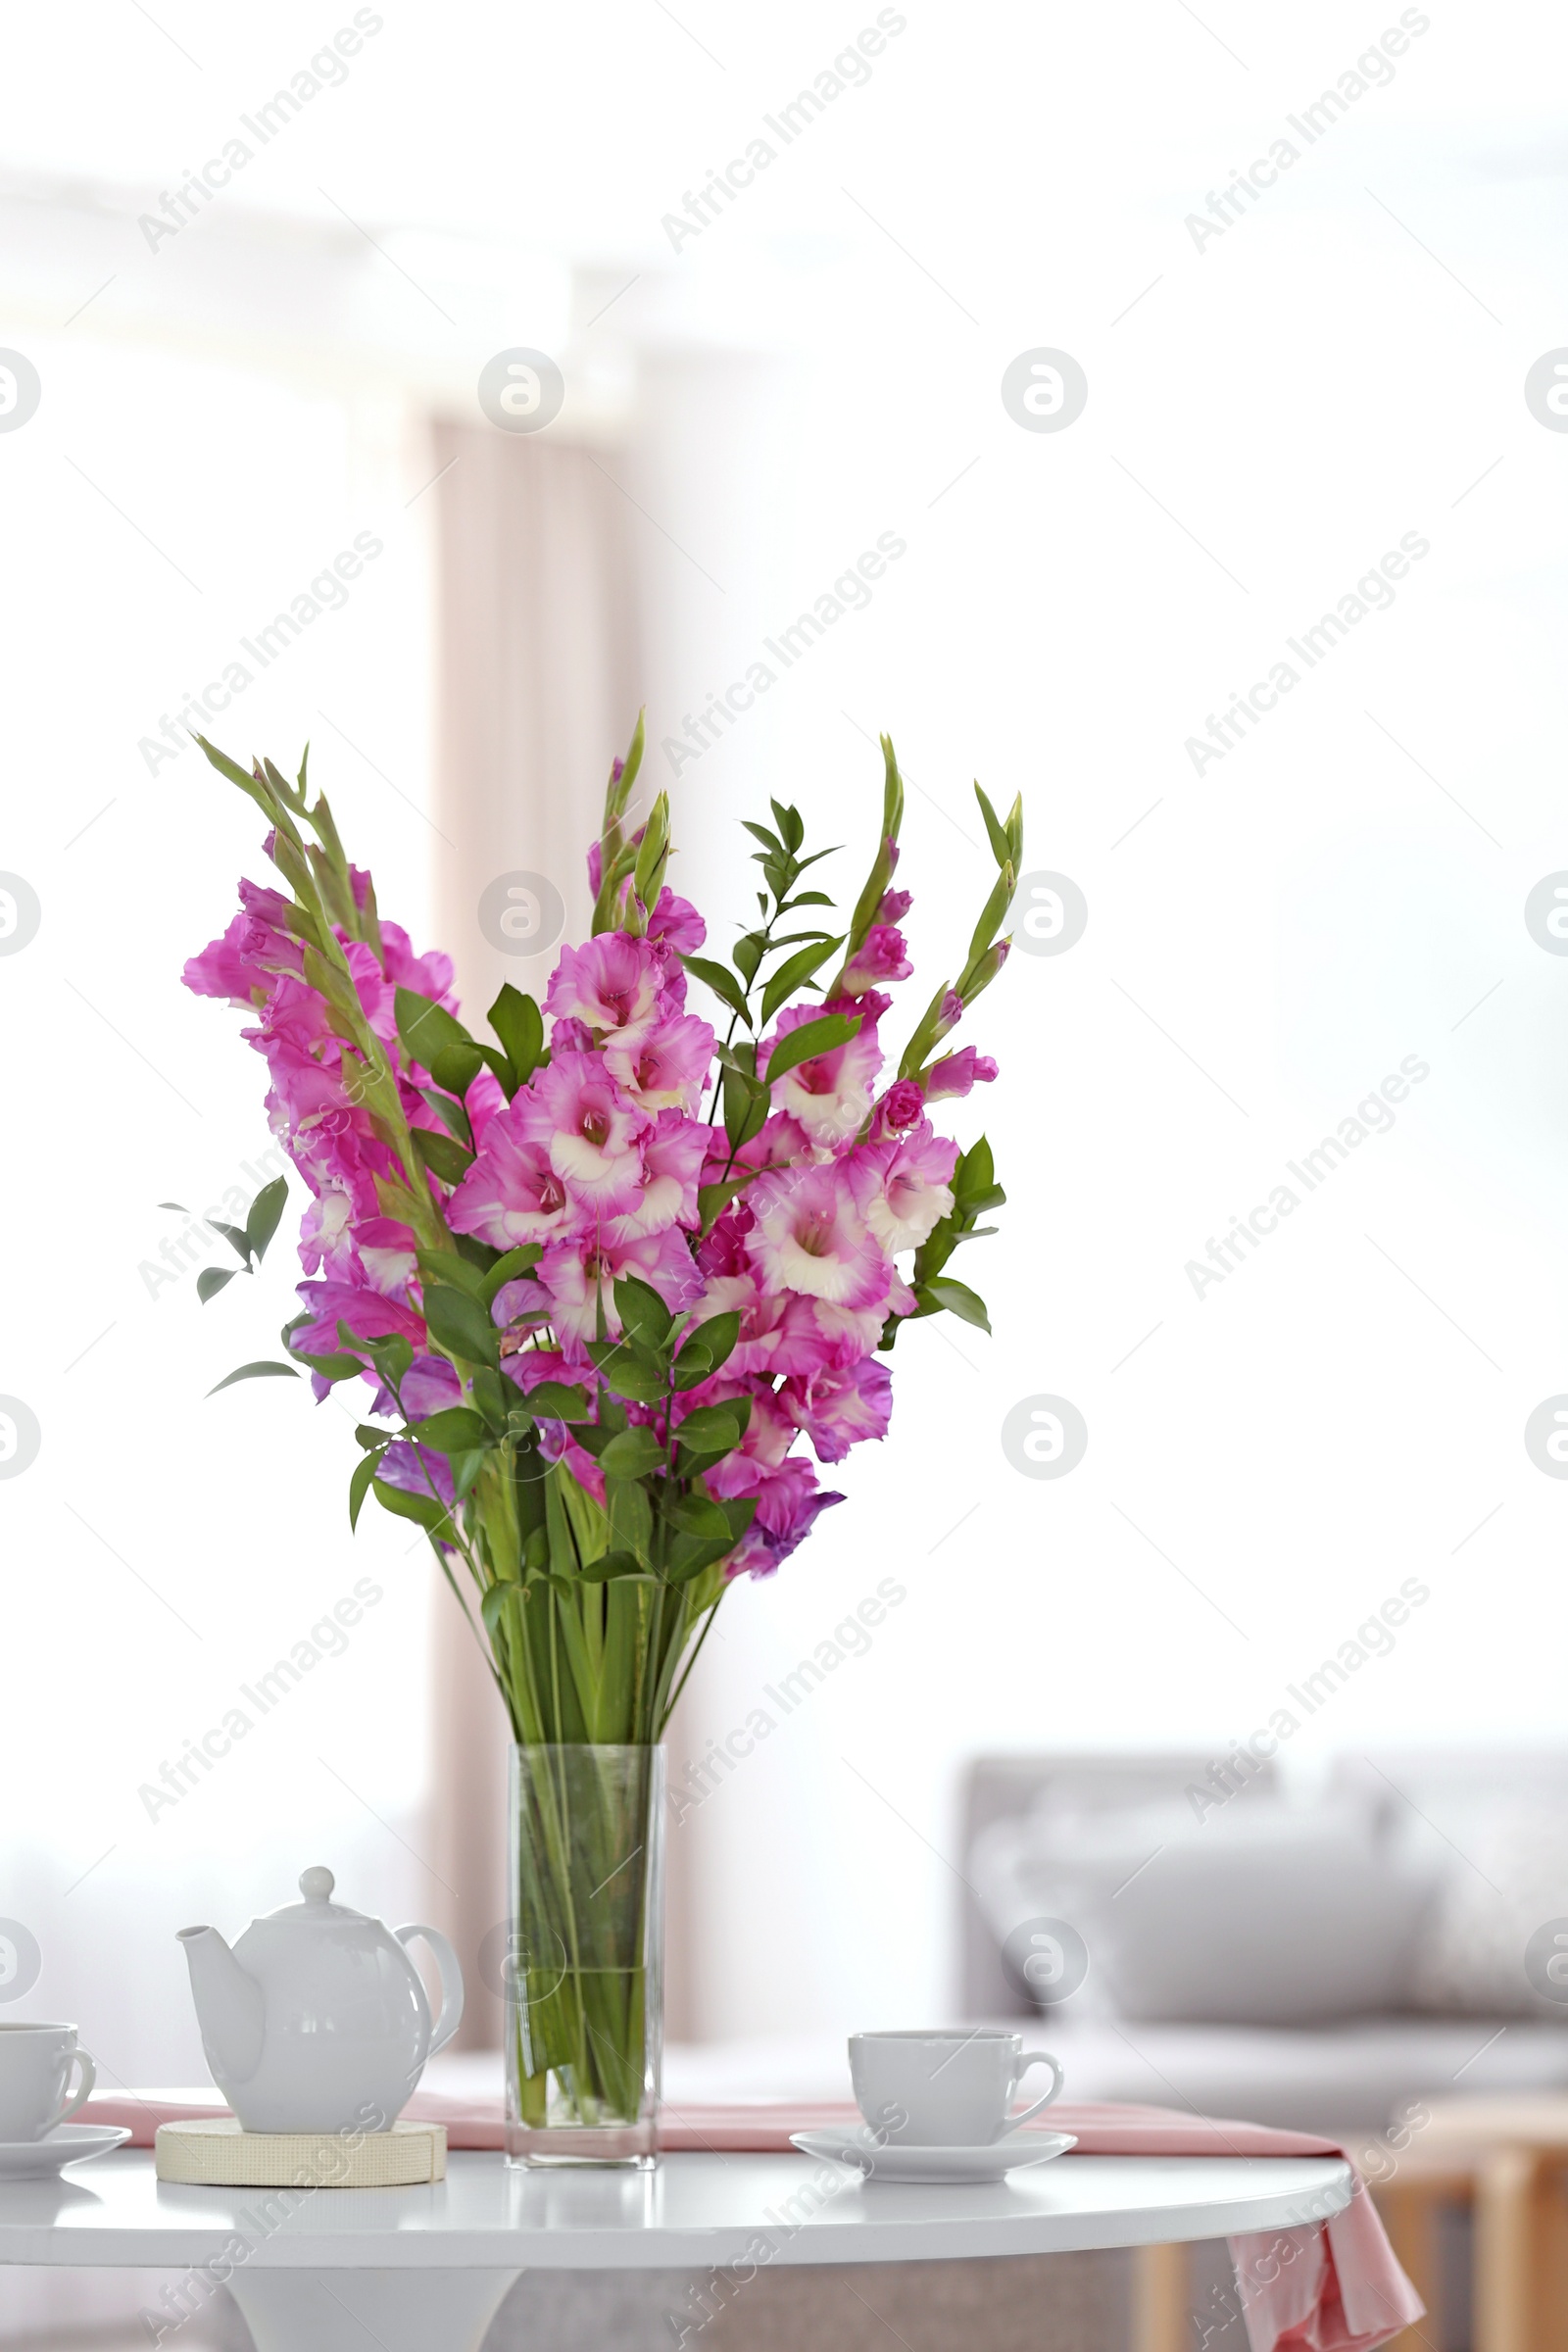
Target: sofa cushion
(1255, 1913)
(1494, 1824)
(1355, 2076)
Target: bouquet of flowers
(605, 1276)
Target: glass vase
(584, 1982)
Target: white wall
(1267, 417)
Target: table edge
(812, 2243)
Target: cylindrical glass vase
(585, 2013)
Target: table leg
(1160, 2300)
(1505, 2256)
(403, 2311)
(1409, 2211)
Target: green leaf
(689, 1555)
(330, 1368)
(769, 841)
(466, 1468)
(975, 1172)
(391, 1356)
(506, 1269)
(634, 1453)
(211, 1280)
(494, 1059)
(265, 1211)
(494, 1396)
(610, 1564)
(806, 898)
(443, 1155)
(455, 1429)
(554, 1401)
(178, 1207)
(359, 1484)
(644, 1317)
(707, 1347)
(451, 1114)
(425, 1029)
(714, 1198)
(461, 1325)
(794, 974)
(235, 1236)
(746, 1102)
(790, 824)
(372, 1439)
(958, 1299)
(696, 1515)
(1001, 847)
(627, 1372)
(445, 1269)
(746, 954)
(710, 1426)
(494, 1602)
(740, 1512)
(809, 1040)
(519, 1024)
(724, 984)
(456, 1068)
(257, 1372)
(425, 1510)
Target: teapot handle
(451, 2017)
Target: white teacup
(945, 2090)
(35, 2069)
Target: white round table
(425, 2270)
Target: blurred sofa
(1204, 1932)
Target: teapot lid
(317, 1884)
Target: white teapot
(317, 2021)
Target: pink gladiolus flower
(428, 1385)
(810, 1237)
(675, 923)
(837, 1409)
(386, 1253)
(368, 1313)
(611, 982)
(578, 1270)
(589, 1131)
(225, 967)
(840, 1336)
(901, 1106)
(512, 1194)
(770, 1431)
(788, 1506)
(956, 1073)
(429, 975)
(672, 1164)
(831, 1094)
(896, 905)
(666, 1069)
(903, 1187)
(881, 956)
(417, 1470)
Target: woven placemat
(214, 2153)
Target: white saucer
(67, 2143)
(892, 2162)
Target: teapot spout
(229, 2008)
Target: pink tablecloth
(1323, 2286)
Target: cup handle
(89, 2075)
(451, 2017)
(1026, 2061)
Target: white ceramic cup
(35, 2070)
(945, 2090)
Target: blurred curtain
(537, 689)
